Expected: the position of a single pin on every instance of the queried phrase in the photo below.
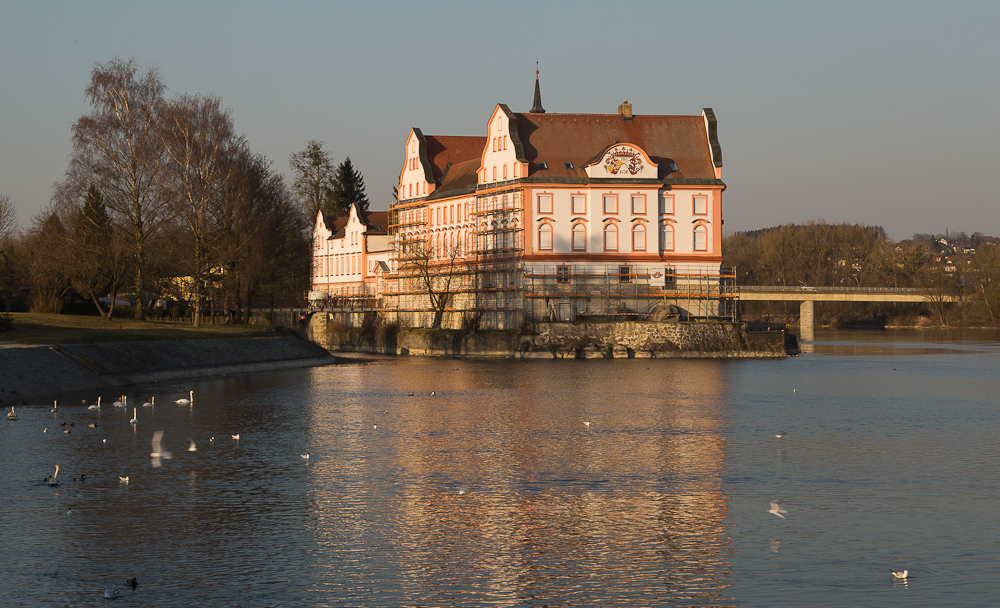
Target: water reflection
(494, 492)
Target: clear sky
(883, 113)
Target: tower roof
(536, 107)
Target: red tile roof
(454, 149)
(578, 138)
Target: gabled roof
(576, 138)
(454, 149)
(376, 221)
(459, 178)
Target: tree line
(851, 255)
(163, 197)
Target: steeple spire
(536, 108)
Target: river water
(479, 483)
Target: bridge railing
(808, 288)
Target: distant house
(348, 252)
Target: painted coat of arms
(621, 159)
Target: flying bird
(777, 510)
(158, 452)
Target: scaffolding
(567, 292)
(498, 251)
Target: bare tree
(435, 272)
(8, 223)
(8, 219)
(117, 147)
(314, 180)
(200, 142)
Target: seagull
(236, 436)
(374, 426)
(112, 593)
(95, 406)
(898, 574)
(186, 401)
(12, 415)
(305, 456)
(52, 481)
(191, 446)
(124, 480)
(587, 423)
(777, 510)
(135, 418)
(433, 393)
(104, 440)
(781, 434)
(461, 492)
(158, 452)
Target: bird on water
(12, 415)
(53, 481)
(183, 401)
(898, 574)
(777, 510)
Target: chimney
(625, 110)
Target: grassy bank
(43, 328)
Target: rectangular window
(700, 205)
(545, 203)
(579, 238)
(562, 274)
(667, 204)
(638, 205)
(670, 276)
(610, 203)
(624, 274)
(579, 204)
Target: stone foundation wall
(558, 340)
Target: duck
(183, 401)
(92, 425)
(132, 583)
(95, 406)
(12, 415)
(53, 481)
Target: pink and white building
(349, 254)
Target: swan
(120, 402)
(898, 574)
(191, 446)
(112, 593)
(52, 481)
(135, 419)
(186, 401)
(236, 436)
(149, 403)
(12, 415)
(55, 406)
(95, 406)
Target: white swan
(52, 481)
(120, 402)
(95, 406)
(135, 419)
(149, 403)
(55, 406)
(12, 415)
(186, 401)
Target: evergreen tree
(348, 189)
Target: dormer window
(543, 165)
(568, 164)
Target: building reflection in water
(494, 491)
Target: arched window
(700, 238)
(545, 237)
(666, 237)
(611, 237)
(579, 237)
(638, 237)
